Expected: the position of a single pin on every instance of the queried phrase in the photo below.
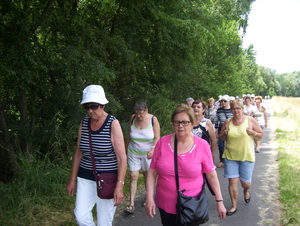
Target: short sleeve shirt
(191, 165)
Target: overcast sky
(274, 31)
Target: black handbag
(191, 211)
(106, 182)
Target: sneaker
(257, 150)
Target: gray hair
(139, 105)
(189, 99)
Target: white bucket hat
(226, 97)
(95, 94)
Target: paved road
(264, 208)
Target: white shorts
(135, 164)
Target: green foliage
(160, 52)
(157, 51)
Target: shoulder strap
(152, 120)
(176, 163)
(91, 150)
(228, 123)
(133, 119)
(225, 113)
(249, 122)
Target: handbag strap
(249, 122)
(176, 170)
(176, 163)
(91, 150)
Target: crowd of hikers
(232, 125)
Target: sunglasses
(91, 106)
(223, 100)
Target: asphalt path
(264, 208)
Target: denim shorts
(241, 169)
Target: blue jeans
(221, 146)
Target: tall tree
(157, 51)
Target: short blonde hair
(210, 100)
(234, 102)
(258, 97)
(186, 109)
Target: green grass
(287, 130)
(37, 195)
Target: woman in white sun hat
(109, 155)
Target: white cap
(225, 97)
(94, 94)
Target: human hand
(71, 187)
(118, 195)
(150, 208)
(250, 132)
(221, 210)
(150, 154)
(226, 131)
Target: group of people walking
(198, 128)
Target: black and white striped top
(105, 157)
(221, 116)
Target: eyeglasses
(236, 109)
(195, 106)
(184, 123)
(140, 113)
(91, 106)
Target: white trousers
(86, 198)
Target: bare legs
(233, 191)
(134, 176)
(257, 146)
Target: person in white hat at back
(100, 137)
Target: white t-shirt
(249, 109)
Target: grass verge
(287, 123)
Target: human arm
(213, 181)
(150, 188)
(117, 141)
(212, 135)
(71, 187)
(128, 134)
(156, 130)
(255, 131)
(266, 117)
(217, 123)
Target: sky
(274, 31)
